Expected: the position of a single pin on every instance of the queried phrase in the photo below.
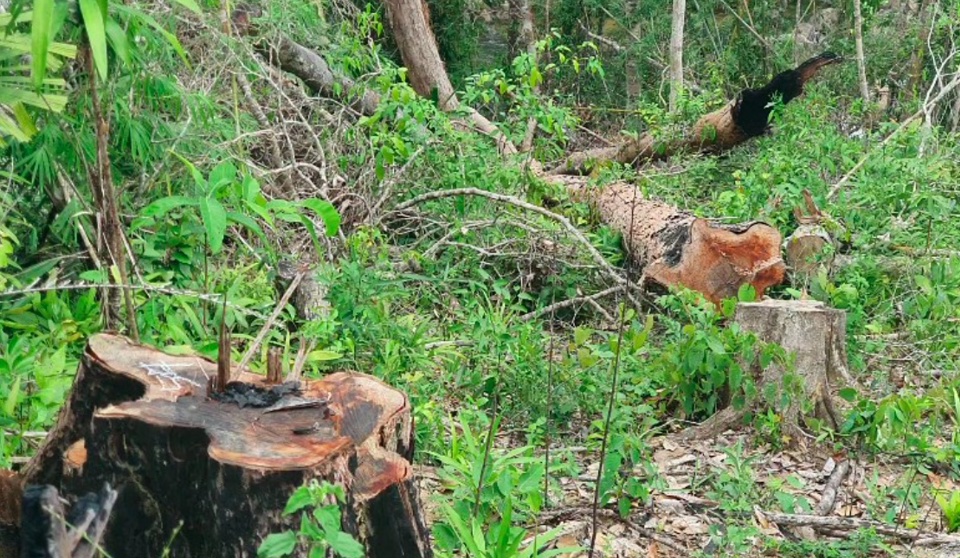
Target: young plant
(318, 504)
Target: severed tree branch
(517, 202)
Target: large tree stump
(676, 248)
(816, 335)
(142, 421)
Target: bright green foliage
(320, 529)
(491, 494)
(950, 507)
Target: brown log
(11, 494)
(745, 117)
(676, 248)
(225, 467)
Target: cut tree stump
(210, 476)
(677, 248)
(816, 334)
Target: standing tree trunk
(861, 59)
(676, 52)
(112, 240)
(410, 24)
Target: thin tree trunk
(523, 11)
(916, 59)
(676, 52)
(861, 59)
(111, 229)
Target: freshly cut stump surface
(211, 477)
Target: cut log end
(676, 248)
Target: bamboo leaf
(41, 30)
(118, 40)
(93, 23)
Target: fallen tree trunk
(745, 117)
(676, 248)
(208, 473)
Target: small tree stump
(816, 335)
(142, 421)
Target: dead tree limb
(829, 498)
(745, 117)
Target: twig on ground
(918, 538)
(829, 498)
(571, 302)
(578, 512)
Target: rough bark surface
(816, 335)
(146, 425)
(677, 248)
(745, 117)
(676, 52)
(410, 24)
(311, 67)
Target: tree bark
(861, 58)
(311, 67)
(225, 465)
(816, 334)
(409, 22)
(676, 52)
(745, 117)
(676, 248)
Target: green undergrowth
(445, 299)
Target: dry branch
(311, 67)
(830, 491)
(914, 536)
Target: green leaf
(246, 222)
(300, 499)
(94, 24)
(10, 405)
(224, 173)
(214, 221)
(322, 356)
(345, 545)
(41, 32)
(190, 5)
(161, 207)
(277, 545)
(118, 40)
(326, 211)
(198, 178)
(848, 394)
